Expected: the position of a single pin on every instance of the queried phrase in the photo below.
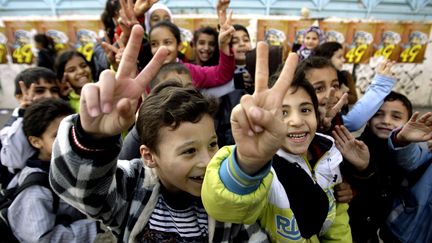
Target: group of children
(291, 170)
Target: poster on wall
(334, 31)
(3, 46)
(186, 26)
(84, 35)
(273, 31)
(414, 42)
(20, 36)
(387, 43)
(58, 31)
(360, 39)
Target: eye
(336, 86)
(39, 90)
(153, 44)
(55, 90)
(306, 110)
(319, 89)
(83, 65)
(213, 145)
(284, 113)
(189, 151)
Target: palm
(417, 129)
(259, 137)
(353, 150)
(108, 107)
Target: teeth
(296, 135)
(198, 177)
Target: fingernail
(94, 112)
(255, 112)
(258, 129)
(106, 108)
(250, 133)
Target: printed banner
(360, 39)
(414, 40)
(387, 43)
(20, 36)
(84, 35)
(3, 46)
(58, 31)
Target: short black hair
(393, 96)
(170, 26)
(39, 115)
(34, 75)
(168, 105)
(168, 68)
(327, 49)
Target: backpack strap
(39, 179)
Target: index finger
(287, 75)
(130, 54)
(24, 90)
(152, 68)
(261, 67)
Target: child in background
(35, 215)
(291, 197)
(31, 85)
(73, 69)
(150, 201)
(410, 219)
(379, 184)
(313, 37)
(321, 73)
(167, 34)
(46, 51)
(335, 53)
(205, 44)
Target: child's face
(163, 37)
(240, 45)
(299, 117)
(159, 15)
(338, 59)
(184, 154)
(42, 89)
(45, 142)
(77, 73)
(323, 80)
(205, 47)
(391, 115)
(311, 40)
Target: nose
(387, 119)
(204, 158)
(294, 119)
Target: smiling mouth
(198, 179)
(297, 137)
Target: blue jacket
(411, 217)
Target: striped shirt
(169, 224)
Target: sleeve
(340, 230)
(35, 222)
(369, 104)
(89, 178)
(16, 149)
(230, 195)
(212, 76)
(409, 157)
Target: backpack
(7, 196)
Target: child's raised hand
(331, 109)
(127, 19)
(221, 7)
(256, 122)
(27, 95)
(384, 68)
(354, 151)
(225, 33)
(108, 107)
(416, 129)
(142, 6)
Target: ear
(148, 156)
(35, 142)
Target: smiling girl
(74, 70)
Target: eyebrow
(301, 104)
